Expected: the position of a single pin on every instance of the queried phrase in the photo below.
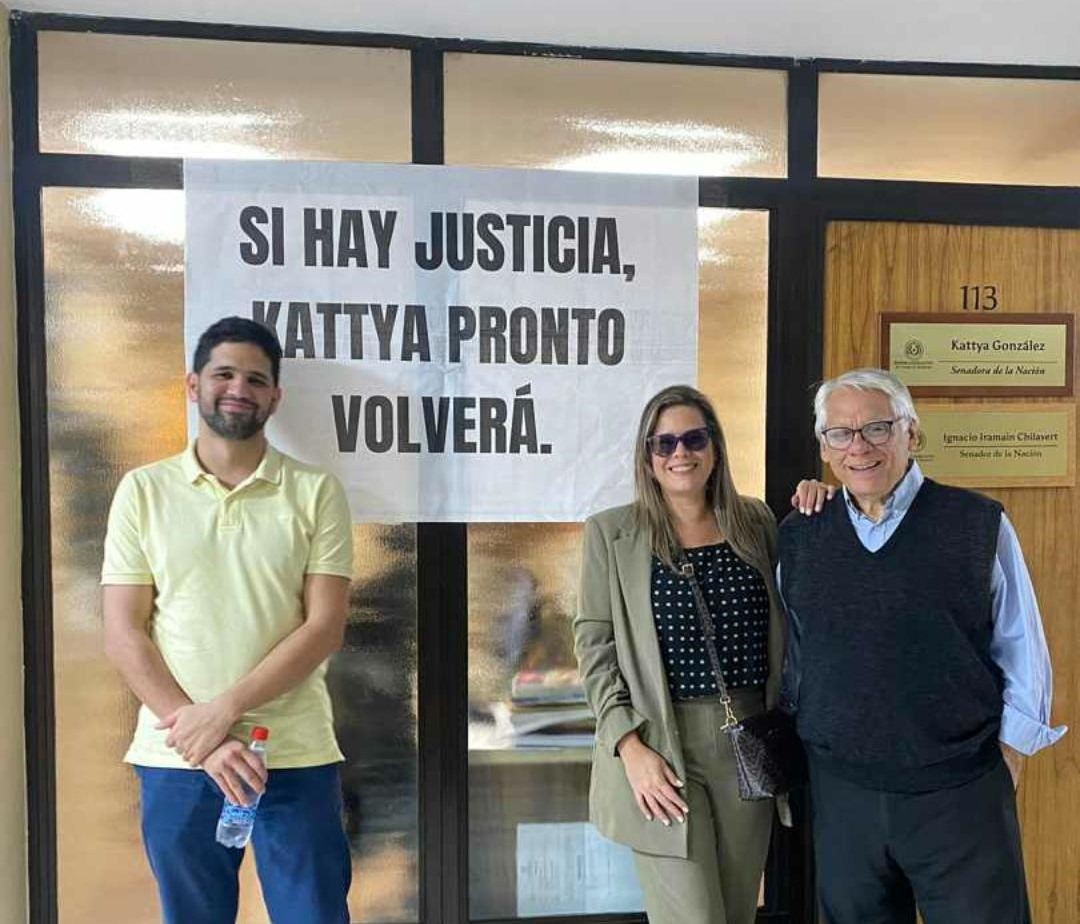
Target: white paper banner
(460, 344)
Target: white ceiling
(995, 31)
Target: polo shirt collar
(189, 462)
(902, 497)
(269, 469)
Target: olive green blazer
(621, 667)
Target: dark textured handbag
(769, 758)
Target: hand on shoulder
(811, 495)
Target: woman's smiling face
(685, 473)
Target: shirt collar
(269, 469)
(902, 497)
(190, 464)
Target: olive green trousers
(727, 840)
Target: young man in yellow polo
(225, 580)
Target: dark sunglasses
(664, 444)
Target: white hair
(869, 379)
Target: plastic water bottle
(236, 821)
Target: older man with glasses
(919, 673)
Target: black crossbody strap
(708, 630)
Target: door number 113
(979, 298)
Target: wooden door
(875, 267)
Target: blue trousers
(301, 851)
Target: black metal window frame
(800, 206)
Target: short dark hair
(238, 330)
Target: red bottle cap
(258, 733)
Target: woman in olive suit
(663, 774)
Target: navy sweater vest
(897, 689)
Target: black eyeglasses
(876, 433)
(664, 444)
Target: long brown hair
(732, 515)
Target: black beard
(234, 426)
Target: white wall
(996, 31)
(12, 776)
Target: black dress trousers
(955, 853)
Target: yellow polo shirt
(228, 572)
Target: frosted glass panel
(949, 129)
(615, 116)
(114, 329)
(147, 96)
(733, 319)
(530, 735)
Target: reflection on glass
(615, 116)
(733, 300)
(529, 735)
(372, 683)
(114, 330)
(949, 129)
(145, 96)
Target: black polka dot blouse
(739, 604)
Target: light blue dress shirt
(1018, 645)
